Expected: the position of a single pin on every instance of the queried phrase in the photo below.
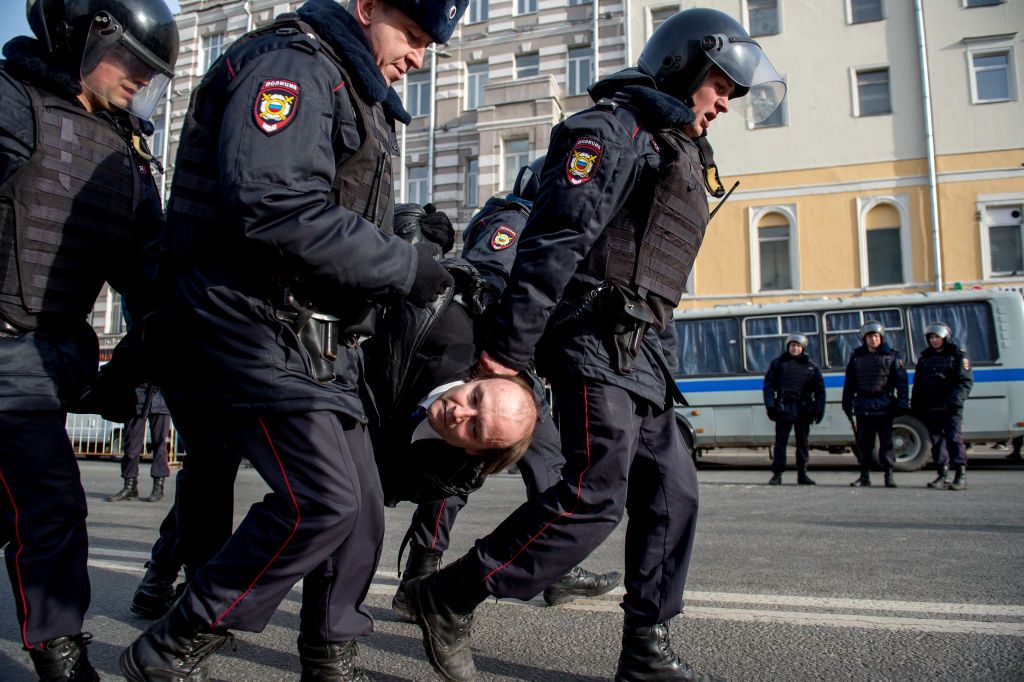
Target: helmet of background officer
(528, 181)
(124, 51)
(937, 334)
(873, 333)
(399, 31)
(705, 58)
(796, 344)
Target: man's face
(485, 414)
(935, 341)
(795, 348)
(396, 41)
(115, 80)
(710, 101)
(873, 340)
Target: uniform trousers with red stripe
(540, 468)
(621, 454)
(42, 524)
(322, 522)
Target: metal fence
(93, 436)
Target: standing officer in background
(794, 396)
(134, 439)
(942, 381)
(875, 391)
(279, 247)
(79, 207)
(602, 263)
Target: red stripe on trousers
(437, 523)
(17, 565)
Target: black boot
(864, 481)
(803, 479)
(421, 562)
(647, 656)
(776, 479)
(960, 479)
(942, 480)
(580, 582)
(444, 604)
(330, 662)
(155, 594)
(130, 491)
(173, 648)
(64, 658)
(890, 482)
(158, 490)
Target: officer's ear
(363, 11)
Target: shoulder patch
(503, 238)
(584, 158)
(966, 363)
(276, 104)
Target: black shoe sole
(566, 596)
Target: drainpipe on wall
(166, 145)
(596, 36)
(627, 15)
(929, 137)
(401, 146)
(248, 14)
(430, 124)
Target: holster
(628, 317)
(318, 334)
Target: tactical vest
(362, 181)
(873, 371)
(795, 379)
(72, 213)
(651, 243)
(936, 376)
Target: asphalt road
(787, 583)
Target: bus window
(895, 333)
(971, 323)
(709, 346)
(842, 332)
(763, 338)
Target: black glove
(818, 416)
(111, 395)
(772, 413)
(437, 227)
(431, 279)
(952, 410)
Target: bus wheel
(910, 443)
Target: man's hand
(436, 226)
(431, 280)
(772, 413)
(488, 365)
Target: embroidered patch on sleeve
(503, 238)
(276, 104)
(584, 158)
(966, 363)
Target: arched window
(884, 249)
(773, 248)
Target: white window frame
(520, 11)
(1000, 44)
(472, 180)
(778, 19)
(471, 79)
(479, 8)
(576, 3)
(414, 83)
(901, 203)
(208, 57)
(754, 215)
(516, 64)
(965, 4)
(571, 63)
(649, 26)
(855, 89)
(983, 203)
(422, 185)
(508, 182)
(849, 13)
(785, 111)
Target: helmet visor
(121, 71)
(744, 62)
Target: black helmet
(872, 327)
(140, 35)
(799, 339)
(407, 222)
(939, 329)
(680, 53)
(528, 181)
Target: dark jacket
(280, 214)
(46, 361)
(875, 383)
(942, 381)
(794, 388)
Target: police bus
(725, 351)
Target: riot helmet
(799, 339)
(939, 329)
(680, 53)
(136, 39)
(528, 181)
(872, 327)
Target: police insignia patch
(966, 363)
(503, 238)
(276, 104)
(584, 158)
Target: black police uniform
(281, 192)
(78, 206)
(590, 297)
(794, 395)
(159, 419)
(875, 391)
(942, 382)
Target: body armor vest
(651, 244)
(72, 212)
(936, 376)
(795, 379)
(873, 372)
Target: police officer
(279, 248)
(875, 391)
(601, 265)
(150, 407)
(942, 381)
(81, 208)
(794, 395)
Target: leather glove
(108, 396)
(772, 413)
(437, 227)
(818, 416)
(431, 279)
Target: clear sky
(13, 21)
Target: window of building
(417, 93)
(416, 185)
(762, 98)
(573, 3)
(764, 338)
(763, 17)
(213, 46)
(982, 3)
(526, 6)
(473, 183)
(1003, 235)
(883, 241)
(579, 70)
(991, 75)
(842, 332)
(863, 11)
(517, 155)
(527, 65)
(709, 346)
(476, 11)
(885, 258)
(475, 82)
(773, 248)
(873, 92)
(659, 15)
(156, 143)
(115, 320)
